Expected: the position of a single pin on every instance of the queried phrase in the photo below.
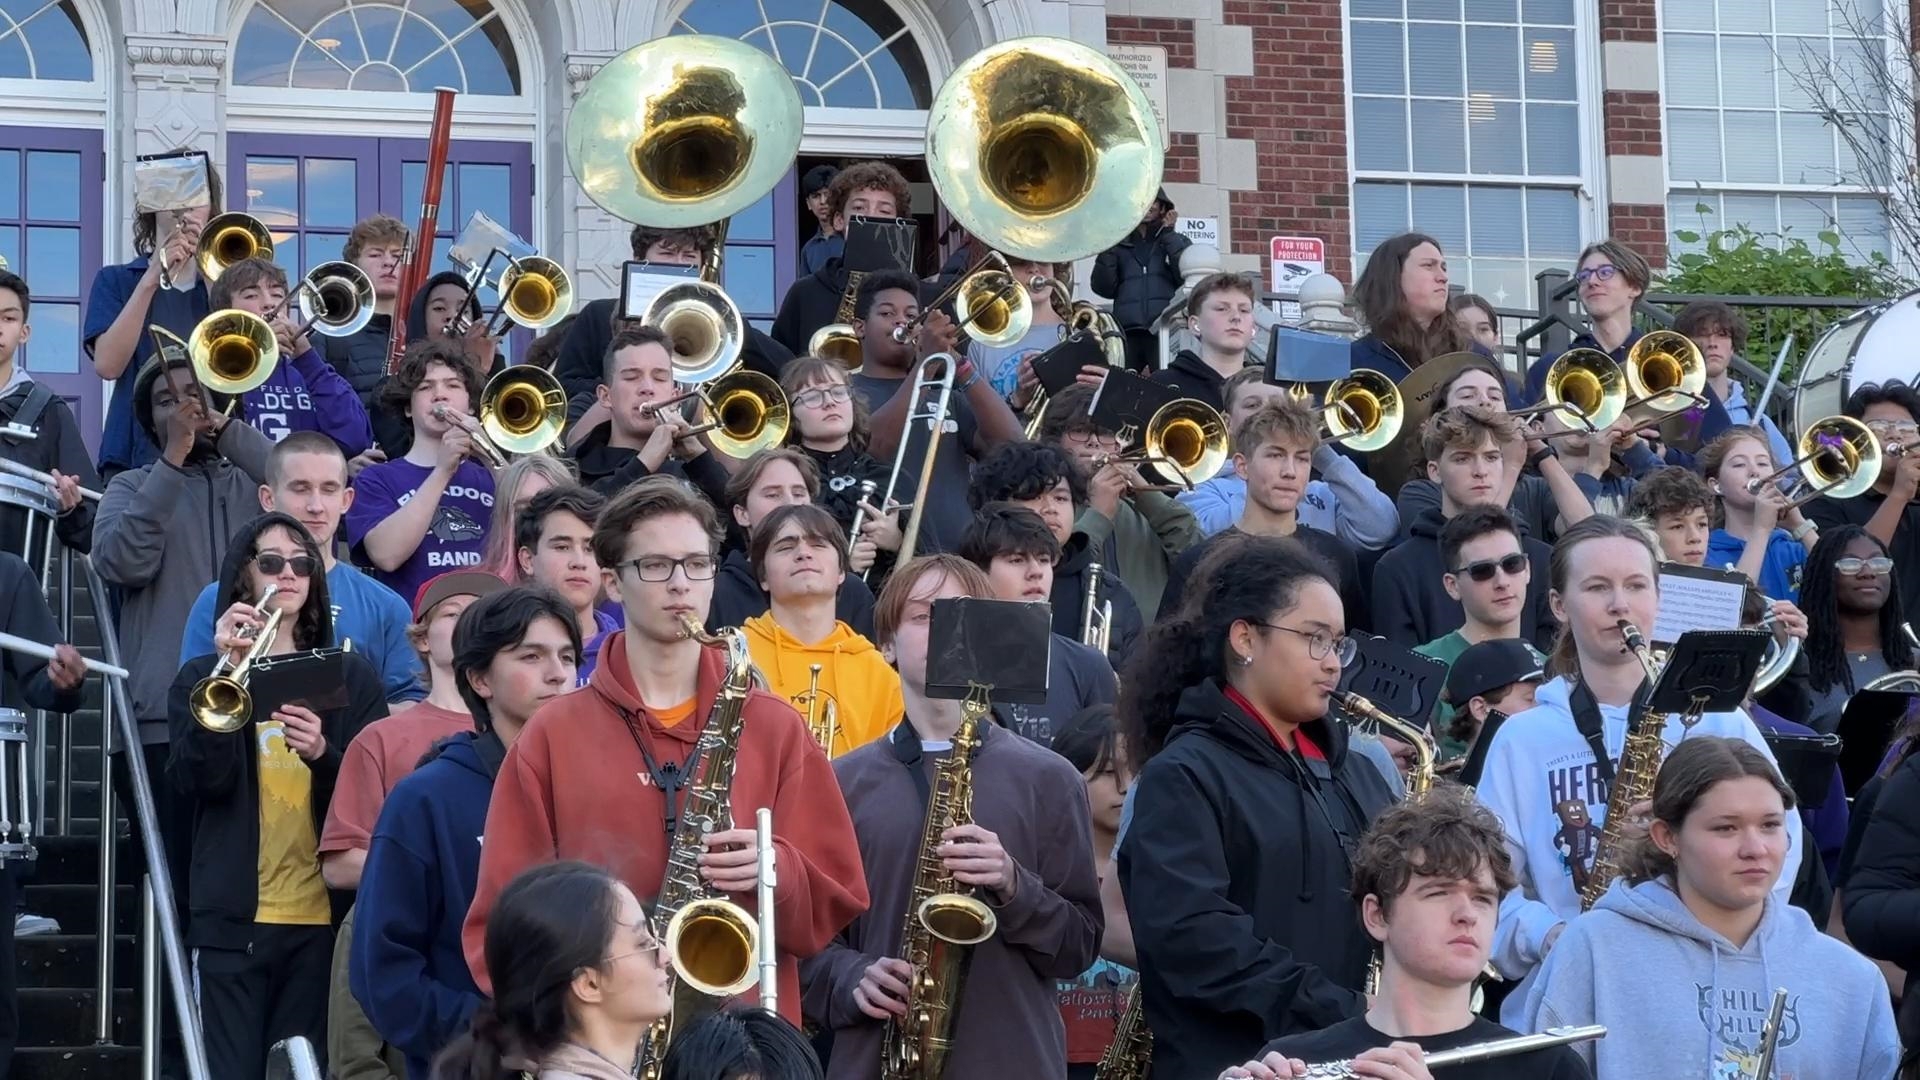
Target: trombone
(1363, 410)
(1586, 383)
(220, 702)
(226, 239)
(705, 330)
(931, 412)
(535, 292)
(1666, 375)
(988, 304)
(233, 351)
(1187, 436)
(522, 411)
(750, 412)
(335, 299)
(1840, 457)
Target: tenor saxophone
(943, 923)
(712, 941)
(1130, 1055)
(1632, 781)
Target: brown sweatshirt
(575, 785)
(1008, 1023)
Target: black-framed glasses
(818, 396)
(1604, 272)
(271, 563)
(1879, 565)
(1482, 570)
(660, 568)
(1320, 643)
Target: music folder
(1002, 644)
(875, 244)
(641, 281)
(1058, 368)
(1400, 682)
(1127, 400)
(315, 679)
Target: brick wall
(1629, 20)
(1633, 122)
(1634, 135)
(1175, 34)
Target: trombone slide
(25, 473)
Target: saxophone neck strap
(1586, 719)
(669, 776)
(906, 749)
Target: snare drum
(1873, 345)
(16, 787)
(29, 495)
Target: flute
(769, 956)
(45, 652)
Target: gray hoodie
(160, 534)
(1680, 1000)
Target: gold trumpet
(233, 351)
(523, 410)
(823, 714)
(1187, 437)
(228, 239)
(220, 702)
(750, 412)
(1363, 410)
(1839, 457)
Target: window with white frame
(397, 45)
(1467, 127)
(1746, 145)
(854, 54)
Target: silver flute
(1493, 1048)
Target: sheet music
(1695, 599)
(644, 281)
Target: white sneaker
(29, 925)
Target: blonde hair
(499, 559)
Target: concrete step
(76, 1063)
(66, 961)
(58, 1017)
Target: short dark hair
(582, 502)
(876, 283)
(1671, 490)
(741, 1043)
(1023, 470)
(630, 335)
(700, 238)
(243, 275)
(642, 501)
(1468, 525)
(1069, 412)
(1703, 317)
(999, 529)
(1896, 393)
(741, 483)
(1087, 740)
(396, 393)
(17, 285)
(1448, 834)
(1465, 300)
(870, 176)
(815, 523)
(300, 442)
(495, 623)
(817, 179)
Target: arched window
(43, 39)
(404, 45)
(847, 54)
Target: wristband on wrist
(1535, 459)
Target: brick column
(1636, 174)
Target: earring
(1245, 661)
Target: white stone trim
(1637, 179)
(1632, 66)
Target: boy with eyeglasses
(601, 774)
(1490, 574)
(1890, 510)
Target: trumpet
(1363, 410)
(522, 410)
(750, 413)
(1096, 615)
(1840, 458)
(1187, 436)
(823, 714)
(220, 702)
(489, 455)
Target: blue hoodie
(1679, 999)
(407, 970)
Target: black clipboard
(1002, 644)
(1806, 763)
(1059, 367)
(316, 680)
(876, 244)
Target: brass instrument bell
(1587, 383)
(1666, 374)
(228, 239)
(220, 702)
(233, 351)
(1363, 410)
(535, 292)
(523, 410)
(749, 414)
(336, 299)
(705, 331)
(1840, 457)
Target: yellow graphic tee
(288, 864)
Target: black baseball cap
(1488, 666)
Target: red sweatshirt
(575, 786)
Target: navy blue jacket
(407, 970)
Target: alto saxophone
(1632, 782)
(1130, 1055)
(712, 941)
(943, 923)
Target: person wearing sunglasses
(1490, 573)
(602, 774)
(1891, 510)
(261, 921)
(1609, 279)
(1856, 621)
(1236, 858)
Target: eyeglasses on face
(1852, 567)
(1320, 643)
(819, 396)
(1482, 570)
(658, 568)
(1905, 429)
(1603, 272)
(271, 563)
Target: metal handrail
(172, 949)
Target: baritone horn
(220, 702)
(1840, 458)
(1363, 410)
(522, 410)
(233, 351)
(228, 239)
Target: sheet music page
(1695, 599)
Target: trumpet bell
(1665, 370)
(995, 309)
(683, 131)
(233, 351)
(957, 919)
(1044, 149)
(713, 944)
(337, 299)
(536, 292)
(523, 409)
(750, 414)
(1372, 413)
(837, 342)
(220, 704)
(704, 326)
(1842, 456)
(228, 239)
(1188, 434)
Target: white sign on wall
(1200, 230)
(1148, 66)
(1293, 260)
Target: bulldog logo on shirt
(451, 525)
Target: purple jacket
(305, 393)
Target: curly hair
(869, 176)
(1023, 470)
(1449, 834)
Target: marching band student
(977, 421)
(830, 426)
(1543, 775)
(635, 441)
(1881, 902)
(1091, 1004)
(1274, 449)
(307, 478)
(594, 769)
(1889, 511)
(1142, 532)
(261, 920)
(1606, 465)
(1220, 313)
(390, 749)
(429, 318)
(1678, 506)
(799, 556)
(1427, 879)
(1027, 850)
(555, 549)
(302, 393)
(513, 488)
(38, 430)
(1680, 958)
(1018, 552)
(425, 512)
(1411, 603)
(576, 995)
(1478, 320)
(513, 651)
(1344, 501)
(1855, 621)
(1488, 683)
(773, 478)
(1043, 479)
(1236, 858)
(1720, 332)
(1402, 297)
(125, 300)
(1748, 539)
(866, 189)
(741, 1044)
(1490, 573)
(376, 245)
(1611, 277)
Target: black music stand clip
(1708, 671)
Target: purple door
(50, 189)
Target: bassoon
(419, 264)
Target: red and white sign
(1295, 259)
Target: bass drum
(1873, 345)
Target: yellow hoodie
(853, 675)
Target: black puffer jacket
(1140, 274)
(361, 358)
(1881, 895)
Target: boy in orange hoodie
(601, 774)
(800, 556)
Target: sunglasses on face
(1483, 571)
(272, 563)
(1852, 567)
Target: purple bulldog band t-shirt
(457, 537)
